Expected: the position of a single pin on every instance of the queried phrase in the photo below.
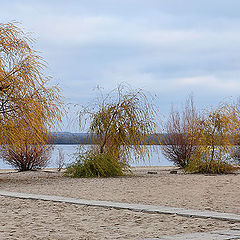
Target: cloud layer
(171, 48)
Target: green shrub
(204, 164)
(90, 164)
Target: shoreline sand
(195, 191)
(48, 220)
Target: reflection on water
(69, 151)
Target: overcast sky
(170, 48)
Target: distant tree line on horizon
(87, 138)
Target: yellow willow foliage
(120, 123)
(27, 104)
(215, 135)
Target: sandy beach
(29, 219)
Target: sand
(29, 219)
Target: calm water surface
(69, 151)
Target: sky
(172, 48)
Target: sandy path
(33, 219)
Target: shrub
(27, 156)
(215, 135)
(204, 164)
(178, 145)
(90, 164)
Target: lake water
(157, 158)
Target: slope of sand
(31, 219)
(206, 192)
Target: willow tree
(215, 135)
(27, 102)
(120, 124)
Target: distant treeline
(86, 138)
(71, 138)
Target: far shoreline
(52, 169)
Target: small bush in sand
(26, 156)
(202, 164)
(91, 164)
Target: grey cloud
(171, 48)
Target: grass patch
(91, 164)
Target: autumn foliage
(27, 102)
(215, 137)
(29, 106)
(119, 122)
(203, 141)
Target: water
(157, 158)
